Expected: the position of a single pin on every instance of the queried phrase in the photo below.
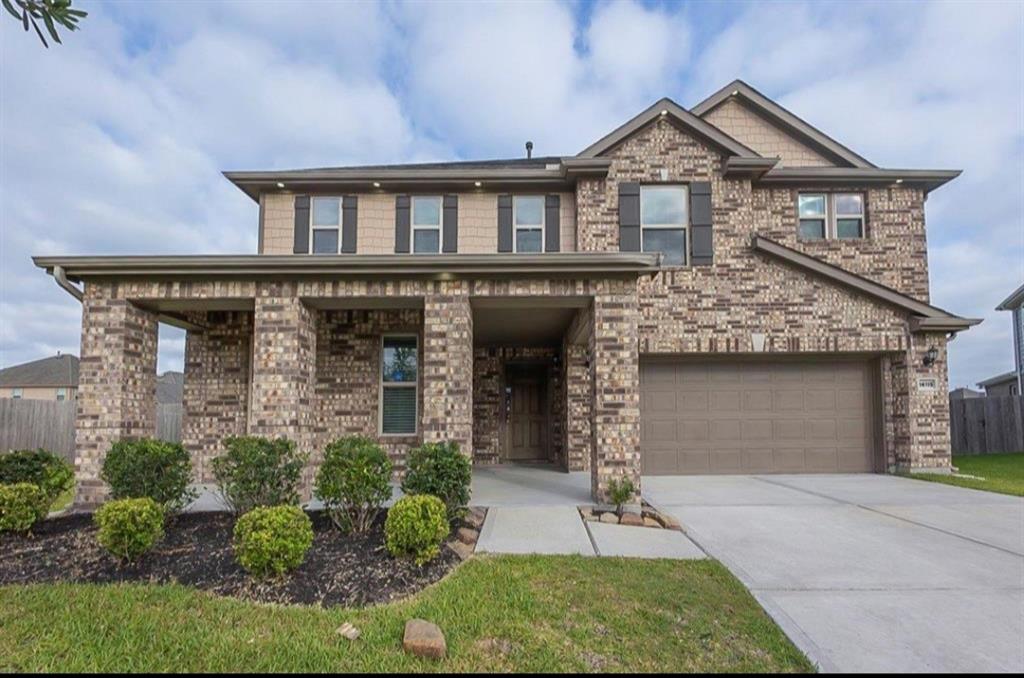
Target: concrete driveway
(868, 572)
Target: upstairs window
(426, 224)
(16, 393)
(62, 394)
(325, 225)
(528, 223)
(664, 221)
(398, 385)
(830, 215)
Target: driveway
(868, 572)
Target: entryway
(528, 413)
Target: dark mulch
(196, 550)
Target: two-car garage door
(710, 416)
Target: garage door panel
(756, 417)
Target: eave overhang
(393, 266)
(924, 317)
(1015, 300)
(928, 180)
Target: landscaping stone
(610, 518)
(466, 535)
(475, 517)
(424, 639)
(670, 523)
(631, 519)
(651, 522)
(346, 630)
(464, 551)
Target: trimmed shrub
(129, 527)
(22, 505)
(620, 491)
(258, 471)
(416, 525)
(354, 482)
(272, 540)
(45, 470)
(441, 470)
(151, 468)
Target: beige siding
(478, 223)
(754, 131)
(36, 393)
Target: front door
(528, 416)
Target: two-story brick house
(717, 290)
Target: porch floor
(529, 485)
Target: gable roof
(678, 115)
(926, 317)
(59, 370)
(1013, 301)
(783, 118)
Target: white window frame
(413, 227)
(826, 202)
(831, 216)
(529, 227)
(684, 227)
(17, 393)
(62, 394)
(398, 384)
(312, 213)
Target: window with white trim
(426, 224)
(16, 393)
(325, 225)
(665, 222)
(830, 216)
(528, 223)
(399, 384)
(62, 394)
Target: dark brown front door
(528, 420)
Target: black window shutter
(552, 229)
(402, 221)
(450, 224)
(504, 223)
(702, 246)
(629, 217)
(301, 224)
(349, 219)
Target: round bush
(129, 527)
(273, 540)
(416, 525)
(47, 471)
(256, 471)
(441, 470)
(22, 505)
(354, 482)
(157, 469)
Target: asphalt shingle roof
(59, 370)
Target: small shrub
(416, 525)
(45, 470)
(129, 527)
(441, 470)
(620, 491)
(354, 482)
(258, 471)
(272, 540)
(22, 505)
(151, 468)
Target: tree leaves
(50, 12)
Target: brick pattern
(117, 383)
(753, 131)
(915, 420)
(448, 365)
(216, 389)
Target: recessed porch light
(280, 185)
(477, 184)
(376, 184)
(899, 181)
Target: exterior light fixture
(477, 184)
(280, 185)
(899, 181)
(376, 184)
(664, 111)
(930, 356)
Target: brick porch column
(448, 366)
(116, 383)
(615, 380)
(915, 416)
(282, 399)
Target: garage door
(756, 417)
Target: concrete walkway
(868, 572)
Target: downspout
(62, 279)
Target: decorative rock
(346, 630)
(670, 523)
(586, 511)
(463, 551)
(609, 518)
(475, 517)
(467, 536)
(631, 519)
(424, 639)
(651, 522)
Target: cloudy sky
(114, 142)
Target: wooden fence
(990, 425)
(28, 424)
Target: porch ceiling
(539, 321)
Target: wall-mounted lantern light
(930, 356)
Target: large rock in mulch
(467, 535)
(424, 639)
(609, 518)
(631, 519)
(475, 517)
(464, 551)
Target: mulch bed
(196, 551)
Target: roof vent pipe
(529, 149)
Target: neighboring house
(53, 378)
(723, 289)
(1001, 385)
(170, 387)
(963, 393)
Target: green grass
(528, 613)
(1003, 473)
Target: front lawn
(1003, 473)
(535, 613)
